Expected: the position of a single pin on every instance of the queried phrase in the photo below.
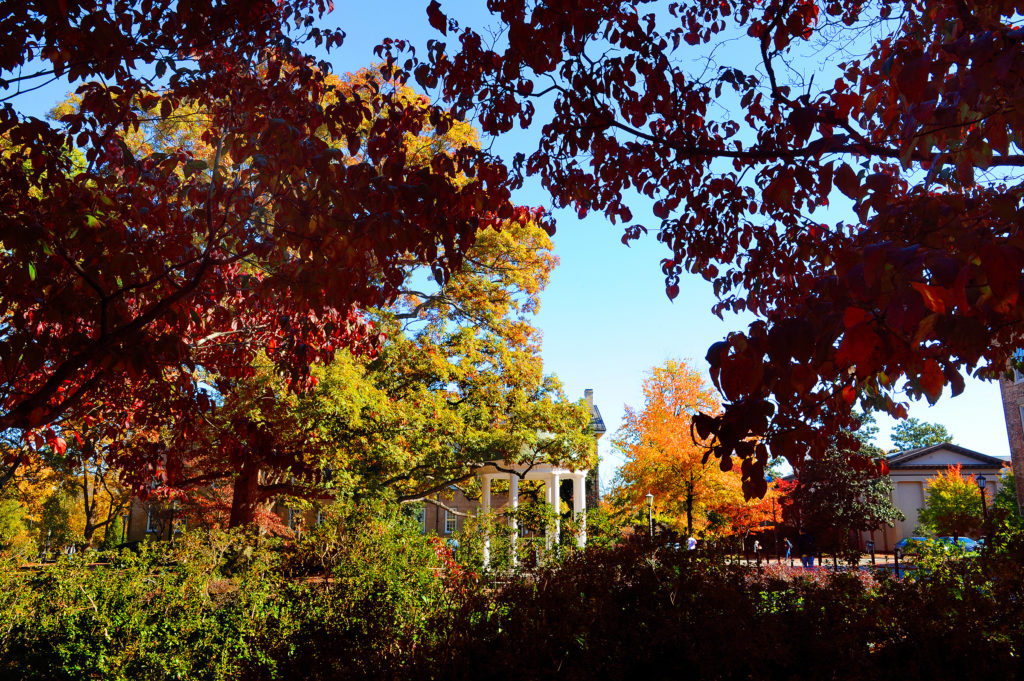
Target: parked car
(966, 543)
(911, 545)
(914, 545)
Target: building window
(421, 518)
(319, 517)
(152, 522)
(293, 519)
(451, 522)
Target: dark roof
(905, 458)
(596, 422)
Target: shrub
(365, 596)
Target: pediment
(941, 456)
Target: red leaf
(854, 316)
(59, 445)
(860, 347)
(848, 182)
(912, 79)
(437, 19)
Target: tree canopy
(294, 207)
(458, 382)
(913, 433)
(664, 459)
(301, 205)
(747, 123)
(952, 504)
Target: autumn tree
(92, 485)
(952, 504)
(296, 208)
(913, 433)
(457, 383)
(742, 121)
(664, 459)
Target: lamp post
(775, 524)
(650, 514)
(980, 479)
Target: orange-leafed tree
(664, 458)
(741, 516)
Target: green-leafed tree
(458, 382)
(1005, 499)
(453, 377)
(13, 533)
(55, 527)
(913, 433)
(952, 505)
(840, 494)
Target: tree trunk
(689, 508)
(87, 506)
(245, 496)
(7, 474)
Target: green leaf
(32, 271)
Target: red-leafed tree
(742, 120)
(295, 206)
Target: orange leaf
(934, 296)
(932, 380)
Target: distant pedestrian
(691, 544)
(806, 550)
(757, 551)
(789, 547)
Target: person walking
(806, 550)
(789, 547)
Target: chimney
(588, 395)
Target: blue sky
(605, 317)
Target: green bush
(351, 598)
(365, 596)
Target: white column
(556, 505)
(485, 506)
(513, 503)
(579, 507)
(547, 500)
